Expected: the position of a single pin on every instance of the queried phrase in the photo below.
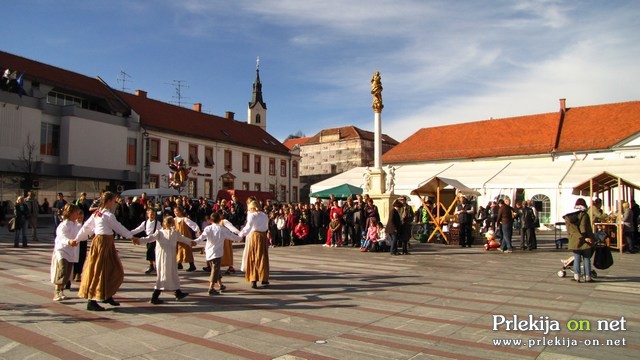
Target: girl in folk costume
(103, 272)
(257, 245)
(165, 254)
(216, 235)
(227, 256)
(184, 225)
(149, 226)
(65, 252)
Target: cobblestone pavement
(331, 303)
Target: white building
(539, 157)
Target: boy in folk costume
(216, 236)
(149, 226)
(65, 252)
(165, 254)
(103, 272)
(184, 225)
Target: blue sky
(442, 62)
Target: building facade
(66, 132)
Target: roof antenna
(178, 85)
(122, 79)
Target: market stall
(444, 191)
(613, 190)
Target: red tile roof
(160, 116)
(583, 128)
(63, 80)
(291, 143)
(350, 132)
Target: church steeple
(257, 112)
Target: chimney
(229, 115)
(563, 105)
(141, 93)
(197, 107)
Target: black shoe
(265, 284)
(111, 302)
(149, 270)
(222, 288)
(155, 301)
(93, 306)
(254, 285)
(191, 268)
(68, 285)
(180, 295)
(206, 268)
(179, 266)
(213, 292)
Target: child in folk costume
(227, 256)
(65, 252)
(256, 254)
(165, 254)
(216, 235)
(184, 225)
(103, 272)
(149, 226)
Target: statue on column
(391, 179)
(366, 180)
(376, 91)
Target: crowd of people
(171, 227)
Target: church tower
(257, 113)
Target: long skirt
(103, 272)
(257, 266)
(227, 256)
(184, 253)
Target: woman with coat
(580, 239)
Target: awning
(341, 192)
(432, 186)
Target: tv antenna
(122, 79)
(178, 85)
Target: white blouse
(103, 222)
(256, 221)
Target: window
(173, 150)
(208, 188)
(245, 162)
(131, 151)
(542, 203)
(272, 189)
(294, 193)
(258, 119)
(208, 157)
(282, 196)
(49, 139)
(257, 164)
(154, 150)
(257, 187)
(227, 160)
(192, 187)
(294, 169)
(154, 181)
(57, 98)
(193, 155)
(272, 167)
(283, 168)
(245, 186)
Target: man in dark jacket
(465, 212)
(505, 218)
(393, 226)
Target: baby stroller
(600, 243)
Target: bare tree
(27, 164)
(299, 134)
